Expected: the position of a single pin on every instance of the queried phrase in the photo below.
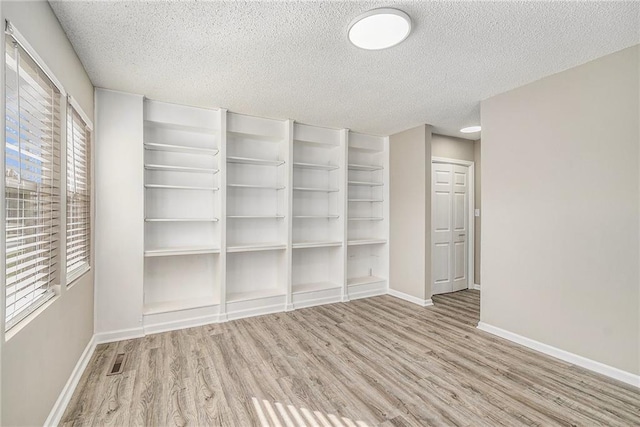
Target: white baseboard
(410, 298)
(317, 302)
(592, 365)
(156, 328)
(257, 311)
(366, 294)
(55, 416)
(476, 286)
(122, 334)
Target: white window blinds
(32, 186)
(78, 195)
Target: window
(32, 183)
(78, 194)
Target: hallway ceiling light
(379, 29)
(471, 129)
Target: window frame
(73, 107)
(38, 305)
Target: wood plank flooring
(374, 362)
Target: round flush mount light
(471, 129)
(379, 29)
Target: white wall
(40, 354)
(410, 212)
(561, 202)
(119, 181)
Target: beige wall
(38, 359)
(410, 212)
(561, 202)
(477, 158)
(452, 147)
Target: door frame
(470, 215)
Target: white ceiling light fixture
(379, 29)
(471, 129)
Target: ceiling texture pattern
(293, 59)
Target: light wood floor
(377, 361)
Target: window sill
(15, 329)
(77, 275)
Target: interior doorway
(452, 225)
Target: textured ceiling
(293, 59)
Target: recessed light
(471, 129)
(379, 29)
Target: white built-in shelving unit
(182, 208)
(317, 265)
(247, 215)
(257, 213)
(367, 229)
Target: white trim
(120, 335)
(410, 298)
(13, 32)
(256, 311)
(55, 416)
(343, 176)
(476, 286)
(366, 294)
(471, 228)
(317, 301)
(78, 109)
(471, 225)
(3, 234)
(156, 328)
(436, 159)
(592, 365)
(77, 273)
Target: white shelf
(178, 187)
(180, 149)
(366, 149)
(316, 244)
(316, 216)
(366, 184)
(313, 287)
(255, 247)
(252, 161)
(261, 187)
(366, 219)
(247, 296)
(181, 219)
(318, 144)
(301, 165)
(356, 167)
(359, 242)
(364, 280)
(168, 306)
(366, 200)
(255, 216)
(319, 190)
(256, 136)
(168, 168)
(178, 126)
(181, 251)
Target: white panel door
(449, 208)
